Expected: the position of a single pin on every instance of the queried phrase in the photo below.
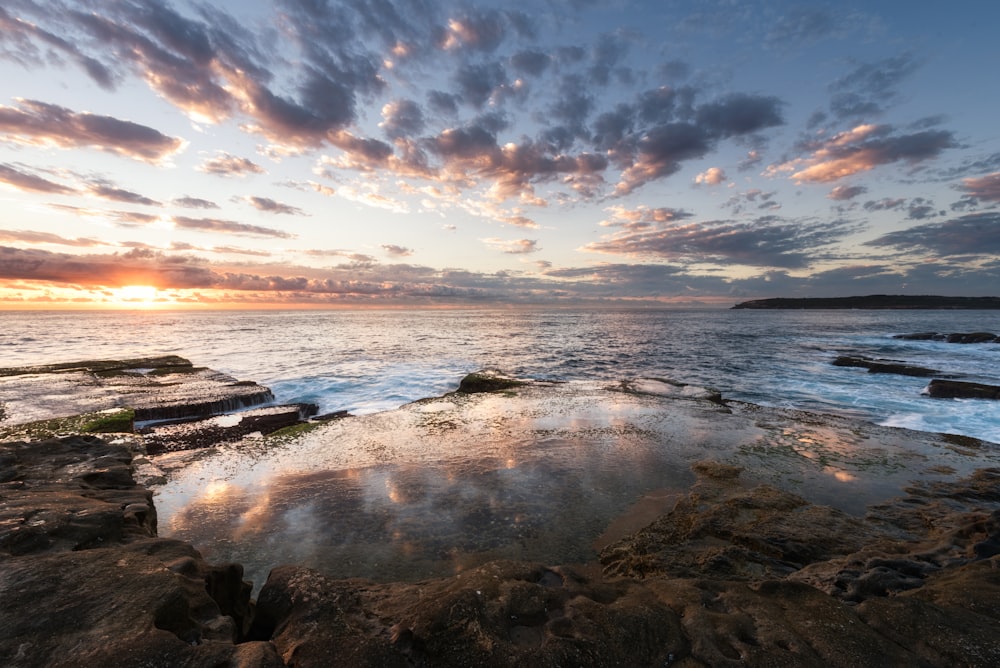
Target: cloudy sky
(428, 152)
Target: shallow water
(438, 486)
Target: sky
(425, 153)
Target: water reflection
(432, 489)
(408, 521)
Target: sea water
(374, 360)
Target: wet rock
(500, 614)
(207, 432)
(85, 580)
(162, 388)
(885, 366)
(954, 389)
(722, 531)
(487, 380)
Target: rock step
(191, 434)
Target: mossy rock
(120, 421)
(487, 381)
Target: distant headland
(874, 302)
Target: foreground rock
(85, 581)
(744, 568)
(954, 389)
(730, 577)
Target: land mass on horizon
(874, 302)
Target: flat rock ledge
(154, 388)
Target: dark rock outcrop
(487, 380)
(957, 337)
(954, 389)
(898, 302)
(85, 581)
(885, 366)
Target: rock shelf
(743, 568)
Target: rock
(885, 366)
(500, 614)
(85, 580)
(954, 389)
(894, 302)
(972, 337)
(206, 432)
(722, 531)
(487, 380)
(167, 388)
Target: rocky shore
(737, 569)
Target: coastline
(644, 603)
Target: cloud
(530, 61)
(802, 25)
(135, 267)
(228, 227)
(841, 193)
(268, 205)
(33, 237)
(402, 118)
(397, 251)
(972, 235)
(40, 124)
(983, 187)
(769, 241)
(513, 246)
(194, 203)
(862, 149)
(712, 176)
(32, 182)
(752, 200)
(350, 255)
(121, 218)
(740, 114)
(661, 149)
(642, 217)
(869, 88)
(225, 164)
(109, 191)
(521, 221)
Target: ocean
(373, 360)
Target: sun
(135, 295)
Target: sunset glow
(471, 154)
